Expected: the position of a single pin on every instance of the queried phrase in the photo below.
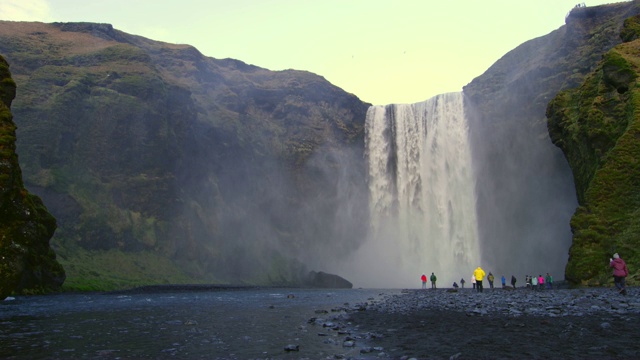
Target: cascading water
(422, 200)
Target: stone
(324, 280)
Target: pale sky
(391, 51)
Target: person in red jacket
(424, 281)
(620, 272)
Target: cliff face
(597, 126)
(27, 263)
(162, 165)
(526, 195)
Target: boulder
(323, 280)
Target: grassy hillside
(162, 165)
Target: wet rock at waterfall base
(326, 281)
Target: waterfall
(421, 195)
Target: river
(222, 324)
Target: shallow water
(230, 324)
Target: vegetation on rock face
(216, 170)
(597, 126)
(27, 263)
(631, 29)
(525, 190)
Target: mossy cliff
(27, 263)
(597, 126)
(525, 190)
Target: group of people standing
(433, 279)
(478, 276)
(539, 282)
(620, 272)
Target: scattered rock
(366, 350)
(547, 303)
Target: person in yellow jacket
(478, 274)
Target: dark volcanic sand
(502, 324)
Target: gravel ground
(589, 323)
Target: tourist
(433, 279)
(424, 281)
(549, 280)
(540, 282)
(534, 282)
(462, 282)
(513, 281)
(620, 272)
(455, 285)
(478, 275)
(473, 281)
(504, 282)
(527, 280)
(490, 278)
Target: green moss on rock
(630, 29)
(27, 263)
(598, 126)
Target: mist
(450, 190)
(526, 195)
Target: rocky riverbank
(590, 323)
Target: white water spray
(422, 199)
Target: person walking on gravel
(424, 281)
(433, 279)
(620, 272)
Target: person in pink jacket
(620, 272)
(540, 282)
